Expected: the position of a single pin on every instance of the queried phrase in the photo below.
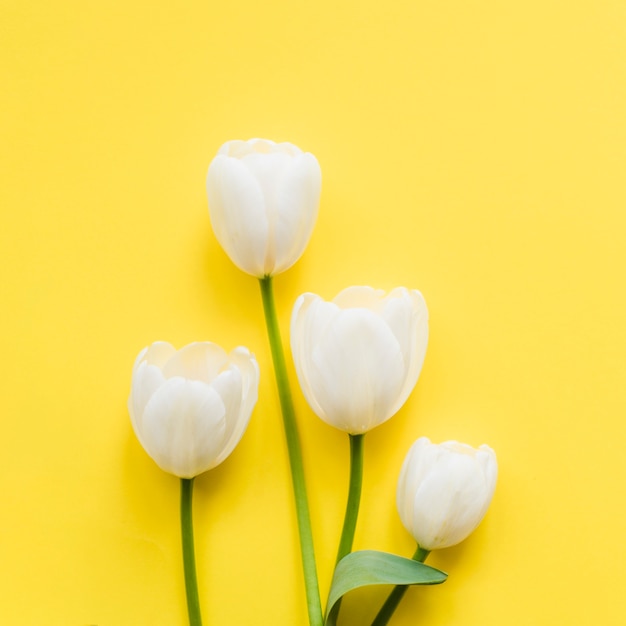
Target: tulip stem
(352, 511)
(392, 602)
(314, 605)
(354, 496)
(189, 558)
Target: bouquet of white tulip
(357, 359)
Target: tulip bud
(359, 357)
(263, 202)
(444, 491)
(189, 408)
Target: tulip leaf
(370, 567)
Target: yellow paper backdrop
(475, 150)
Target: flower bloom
(359, 357)
(189, 408)
(444, 491)
(263, 202)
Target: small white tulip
(189, 408)
(359, 357)
(263, 203)
(444, 491)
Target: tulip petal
(310, 318)
(407, 316)
(289, 148)
(244, 361)
(146, 380)
(444, 491)
(238, 213)
(414, 469)
(294, 210)
(357, 371)
(229, 387)
(267, 169)
(158, 353)
(360, 297)
(197, 361)
(183, 427)
(448, 504)
(140, 359)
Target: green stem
(352, 509)
(392, 602)
(354, 496)
(314, 604)
(189, 558)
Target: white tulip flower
(444, 491)
(189, 408)
(359, 357)
(263, 203)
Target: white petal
(238, 213)
(407, 315)
(158, 353)
(183, 427)
(413, 471)
(310, 318)
(287, 147)
(228, 386)
(244, 360)
(238, 388)
(444, 491)
(140, 358)
(268, 169)
(486, 457)
(361, 297)
(356, 371)
(263, 146)
(231, 148)
(197, 361)
(146, 380)
(296, 207)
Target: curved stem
(352, 510)
(354, 496)
(189, 558)
(392, 602)
(314, 604)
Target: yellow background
(475, 150)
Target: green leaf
(370, 567)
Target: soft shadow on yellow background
(473, 150)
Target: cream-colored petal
(159, 353)
(146, 380)
(444, 491)
(183, 427)
(296, 205)
(407, 316)
(197, 361)
(414, 469)
(238, 213)
(245, 362)
(360, 297)
(267, 169)
(233, 148)
(356, 371)
(310, 318)
(229, 387)
(287, 147)
(261, 146)
(140, 359)
(448, 503)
